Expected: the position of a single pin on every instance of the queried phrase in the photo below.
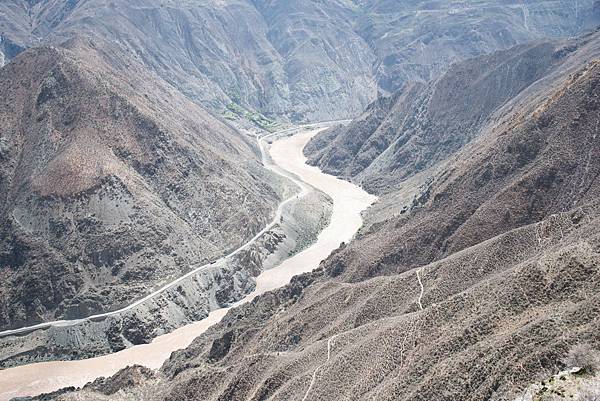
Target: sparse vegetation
(583, 356)
(234, 111)
(567, 385)
(591, 392)
(115, 178)
(199, 192)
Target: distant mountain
(404, 134)
(299, 59)
(110, 184)
(472, 279)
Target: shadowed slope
(422, 125)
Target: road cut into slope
(349, 201)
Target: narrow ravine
(348, 203)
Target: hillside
(298, 60)
(129, 166)
(111, 184)
(413, 130)
(480, 288)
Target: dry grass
(583, 356)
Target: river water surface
(348, 203)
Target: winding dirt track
(348, 203)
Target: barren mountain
(111, 184)
(473, 277)
(479, 288)
(399, 136)
(295, 59)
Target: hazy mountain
(479, 288)
(422, 124)
(295, 59)
(110, 184)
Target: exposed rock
(474, 276)
(125, 379)
(216, 286)
(110, 185)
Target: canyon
(348, 203)
(299, 200)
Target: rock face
(112, 184)
(299, 59)
(481, 286)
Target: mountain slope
(417, 40)
(111, 184)
(299, 60)
(479, 289)
(418, 127)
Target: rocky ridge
(112, 185)
(297, 60)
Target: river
(348, 203)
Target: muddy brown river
(348, 203)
